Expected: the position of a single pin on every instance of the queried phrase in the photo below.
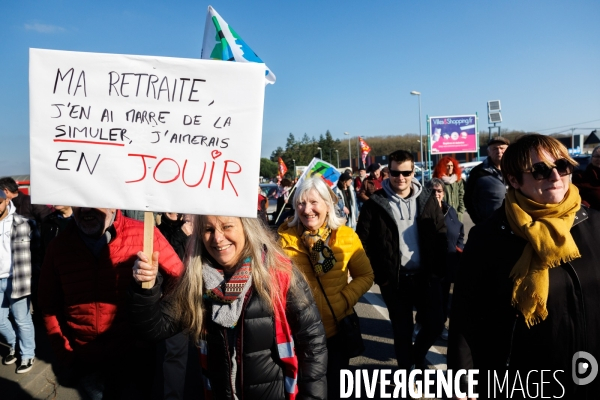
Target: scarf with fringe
(227, 298)
(283, 336)
(546, 227)
(321, 256)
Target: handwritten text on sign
(145, 133)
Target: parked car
(269, 190)
(583, 160)
(467, 167)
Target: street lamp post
(320, 152)
(337, 153)
(349, 155)
(415, 93)
(294, 162)
(358, 153)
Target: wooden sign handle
(148, 240)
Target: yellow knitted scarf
(546, 227)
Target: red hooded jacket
(83, 298)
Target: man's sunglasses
(541, 170)
(396, 174)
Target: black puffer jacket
(484, 192)
(261, 370)
(378, 233)
(487, 333)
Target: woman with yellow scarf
(527, 295)
(328, 253)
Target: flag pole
(282, 208)
(148, 240)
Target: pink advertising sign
(453, 134)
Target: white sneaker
(10, 358)
(26, 365)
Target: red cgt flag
(282, 167)
(364, 149)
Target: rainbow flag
(318, 167)
(221, 42)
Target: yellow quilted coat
(349, 255)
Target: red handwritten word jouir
(229, 168)
(88, 142)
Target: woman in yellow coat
(320, 245)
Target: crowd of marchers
(270, 308)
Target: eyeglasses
(541, 170)
(396, 174)
(438, 190)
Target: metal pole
(421, 137)
(349, 153)
(428, 130)
(477, 134)
(358, 153)
(337, 153)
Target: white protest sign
(145, 133)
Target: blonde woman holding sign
(253, 318)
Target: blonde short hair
(318, 185)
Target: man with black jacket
(485, 189)
(403, 232)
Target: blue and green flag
(221, 42)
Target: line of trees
(301, 152)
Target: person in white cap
(17, 239)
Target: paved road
(377, 333)
(41, 383)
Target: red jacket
(369, 186)
(83, 299)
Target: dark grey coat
(487, 333)
(484, 192)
